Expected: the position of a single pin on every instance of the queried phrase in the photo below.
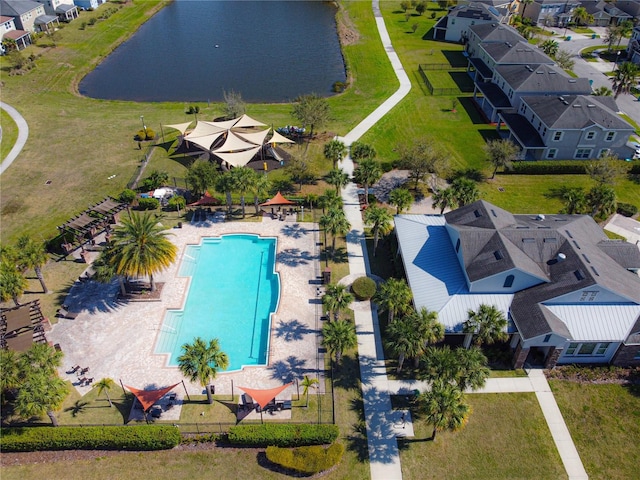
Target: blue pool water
(233, 292)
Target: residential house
(491, 55)
(20, 38)
(632, 7)
(550, 12)
(454, 26)
(490, 33)
(88, 4)
(605, 13)
(28, 15)
(633, 47)
(569, 293)
(65, 10)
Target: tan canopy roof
(257, 138)
(278, 199)
(246, 121)
(263, 397)
(233, 143)
(238, 159)
(206, 141)
(18, 318)
(203, 129)
(181, 127)
(148, 397)
(277, 138)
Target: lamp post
(616, 61)
(144, 127)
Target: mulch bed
(143, 293)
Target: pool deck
(116, 339)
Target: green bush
(176, 202)
(127, 196)
(627, 209)
(363, 288)
(549, 167)
(143, 134)
(148, 203)
(282, 435)
(143, 437)
(309, 460)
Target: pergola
(21, 326)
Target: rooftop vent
(591, 105)
(572, 80)
(577, 105)
(561, 99)
(498, 255)
(579, 275)
(595, 271)
(540, 217)
(569, 234)
(477, 213)
(561, 257)
(550, 240)
(528, 240)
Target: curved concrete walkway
(23, 134)
(383, 424)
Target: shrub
(148, 203)
(143, 437)
(127, 196)
(627, 209)
(339, 87)
(309, 460)
(363, 288)
(551, 167)
(177, 202)
(282, 435)
(143, 134)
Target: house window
(458, 246)
(587, 348)
(602, 348)
(552, 152)
(591, 135)
(571, 349)
(604, 152)
(508, 281)
(583, 153)
(610, 136)
(557, 136)
(547, 338)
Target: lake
(268, 51)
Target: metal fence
(424, 67)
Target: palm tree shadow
(77, 408)
(288, 370)
(291, 330)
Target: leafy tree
(606, 169)
(336, 299)
(335, 223)
(614, 34)
(501, 153)
(226, 183)
(601, 199)
(367, 173)
(602, 92)
(201, 176)
(401, 198)
(12, 282)
(339, 336)
(421, 8)
(405, 5)
(338, 178)
(260, 190)
(127, 196)
(105, 385)
(443, 199)
(582, 16)
(308, 383)
(394, 296)
(550, 47)
(234, 106)
(421, 158)
(487, 324)
(177, 202)
(464, 368)
(311, 110)
(361, 151)
(465, 191)
(403, 340)
(564, 59)
(40, 394)
(335, 151)
(243, 179)
(142, 247)
(444, 407)
(156, 179)
(626, 27)
(625, 78)
(200, 361)
(33, 255)
(575, 200)
(380, 221)
(300, 172)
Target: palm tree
(308, 383)
(260, 189)
(338, 178)
(335, 151)
(625, 78)
(330, 199)
(339, 336)
(336, 299)
(602, 200)
(394, 296)
(575, 200)
(380, 220)
(9, 366)
(464, 368)
(361, 151)
(427, 324)
(243, 178)
(401, 198)
(33, 255)
(104, 267)
(12, 282)
(488, 325)
(581, 15)
(500, 153)
(444, 407)
(550, 47)
(602, 92)
(142, 247)
(403, 340)
(465, 191)
(226, 183)
(367, 173)
(443, 199)
(201, 361)
(335, 222)
(41, 357)
(40, 394)
(105, 385)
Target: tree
(564, 59)
(336, 299)
(361, 151)
(300, 172)
(141, 247)
(550, 47)
(625, 78)
(421, 158)
(312, 111)
(465, 191)
(260, 190)
(445, 198)
(380, 221)
(394, 296)
(10, 378)
(308, 383)
(335, 151)
(606, 169)
(464, 368)
(403, 340)
(156, 179)
(367, 173)
(501, 153)
(444, 407)
(404, 5)
(105, 385)
(601, 199)
(33, 255)
(201, 361)
(41, 357)
(338, 178)
(226, 183)
(234, 106)
(330, 200)
(40, 394)
(427, 324)
(335, 223)
(339, 336)
(582, 16)
(487, 325)
(243, 180)
(12, 282)
(201, 176)
(575, 200)
(421, 8)
(401, 198)
(614, 34)
(602, 92)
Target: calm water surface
(268, 51)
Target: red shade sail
(148, 397)
(206, 199)
(278, 199)
(263, 397)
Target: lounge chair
(63, 313)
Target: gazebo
(21, 326)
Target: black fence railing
(423, 68)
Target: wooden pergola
(21, 326)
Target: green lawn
(506, 438)
(604, 421)
(9, 134)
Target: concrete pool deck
(116, 338)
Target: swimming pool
(233, 292)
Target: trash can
(593, 36)
(212, 389)
(568, 38)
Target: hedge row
(143, 437)
(309, 460)
(550, 167)
(282, 435)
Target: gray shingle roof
(15, 8)
(520, 53)
(477, 11)
(523, 130)
(496, 33)
(545, 79)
